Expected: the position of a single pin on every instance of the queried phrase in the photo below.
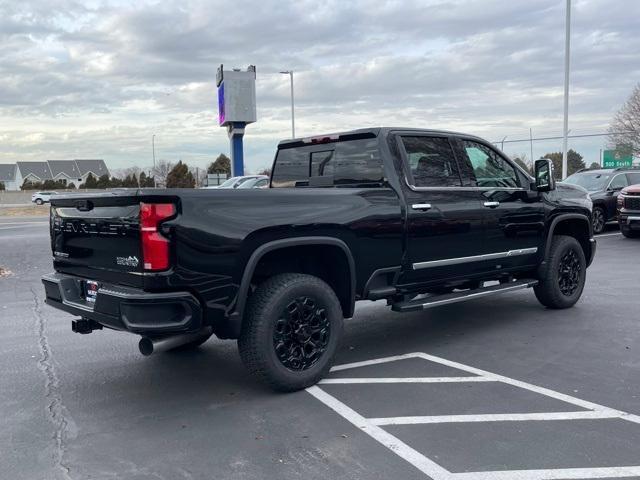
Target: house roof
(7, 172)
(97, 167)
(40, 170)
(68, 167)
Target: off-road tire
(264, 309)
(548, 291)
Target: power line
(540, 139)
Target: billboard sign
(236, 96)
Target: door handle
(491, 204)
(421, 206)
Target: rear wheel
(598, 219)
(562, 281)
(291, 330)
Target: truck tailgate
(98, 237)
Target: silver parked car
(42, 197)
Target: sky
(96, 79)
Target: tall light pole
(567, 57)
(153, 149)
(293, 116)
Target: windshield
(247, 183)
(591, 181)
(228, 182)
(243, 180)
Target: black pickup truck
(420, 218)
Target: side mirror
(545, 182)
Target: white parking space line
(375, 361)
(550, 474)
(415, 458)
(373, 426)
(408, 380)
(24, 223)
(533, 388)
(608, 234)
(493, 417)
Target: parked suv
(629, 211)
(420, 218)
(604, 187)
(42, 197)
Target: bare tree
(161, 170)
(522, 160)
(132, 171)
(625, 127)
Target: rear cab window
(347, 161)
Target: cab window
(431, 162)
(489, 168)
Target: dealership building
(13, 175)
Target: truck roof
(377, 131)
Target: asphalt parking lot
(490, 389)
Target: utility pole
(531, 145)
(567, 57)
(153, 149)
(293, 116)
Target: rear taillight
(155, 247)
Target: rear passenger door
(514, 215)
(444, 219)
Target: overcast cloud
(96, 79)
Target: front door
(514, 215)
(444, 219)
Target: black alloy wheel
(569, 270)
(301, 334)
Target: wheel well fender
(347, 297)
(575, 225)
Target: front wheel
(39, 201)
(598, 219)
(291, 331)
(562, 279)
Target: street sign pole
(567, 57)
(236, 134)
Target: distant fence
(22, 197)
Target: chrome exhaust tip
(148, 346)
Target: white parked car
(257, 182)
(42, 197)
(236, 182)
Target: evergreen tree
(90, 182)
(180, 177)
(221, 165)
(574, 162)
